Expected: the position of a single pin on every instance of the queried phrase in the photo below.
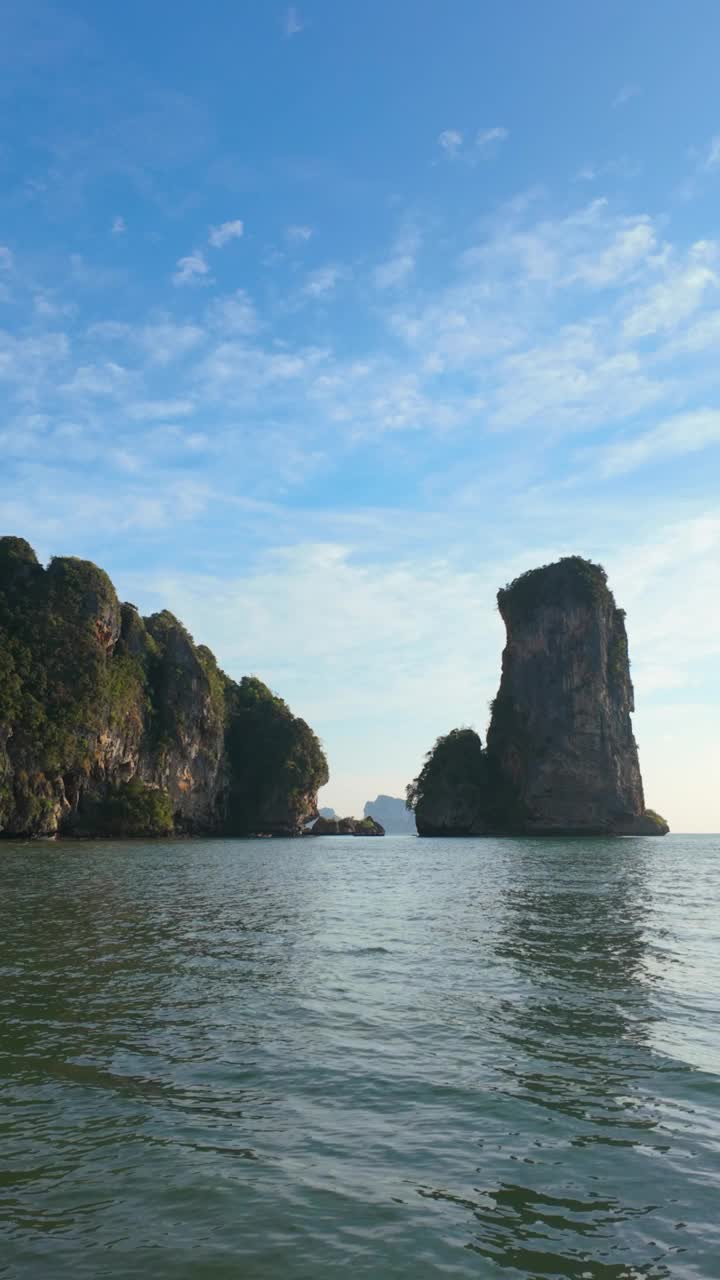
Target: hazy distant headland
(560, 757)
(116, 725)
(334, 826)
(393, 813)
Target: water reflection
(131, 1014)
(120, 953)
(576, 1072)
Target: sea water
(388, 1057)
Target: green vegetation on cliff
(460, 780)
(56, 690)
(655, 821)
(128, 809)
(114, 722)
(268, 749)
(457, 760)
(554, 586)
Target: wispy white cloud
(589, 245)
(401, 264)
(191, 269)
(165, 340)
(631, 247)
(106, 379)
(502, 324)
(674, 437)
(487, 348)
(49, 308)
(321, 283)
(237, 372)
(6, 258)
(373, 398)
(697, 336)
(451, 141)
(220, 236)
(109, 331)
(292, 23)
(626, 94)
(486, 137)
(619, 167)
(94, 275)
(124, 460)
(677, 295)
(706, 163)
(587, 173)
(159, 410)
(395, 271)
(710, 162)
(160, 341)
(578, 378)
(412, 648)
(51, 518)
(234, 314)
(299, 233)
(33, 363)
(679, 560)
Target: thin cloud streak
(292, 24)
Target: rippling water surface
(408, 1058)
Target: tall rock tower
(560, 739)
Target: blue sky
(318, 324)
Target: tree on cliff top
(554, 585)
(457, 759)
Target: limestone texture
(114, 724)
(561, 757)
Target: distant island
(560, 757)
(335, 826)
(390, 812)
(116, 725)
(393, 813)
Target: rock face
(392, 813)
(345, 827)
(561, 757)
(113, 724)
(450, 797)
(560, 732)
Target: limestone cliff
(560, 731)
(113, 724)
(561, 757)
(450, 796)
